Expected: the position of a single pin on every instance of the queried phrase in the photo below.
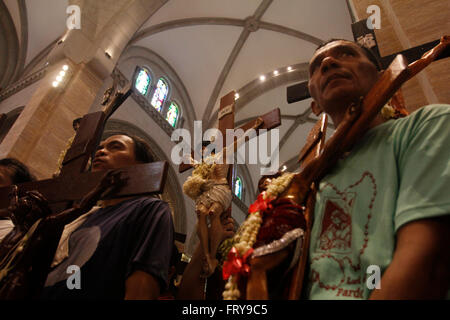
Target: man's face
(113, 153)
(340, 72)
(6, 175)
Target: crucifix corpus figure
(208, 186)
(210, 183)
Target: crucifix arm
(429, 56)
(238, 142)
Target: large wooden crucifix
(73, 183)
(271, 120)
(226, 117)
(211, 186)
(366, 37)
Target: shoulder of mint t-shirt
(399, 172)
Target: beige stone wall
(406, 24)
(44, 127)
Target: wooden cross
(73, 183)
(2, 119)
(271, 120)
(257, 288)
(366, 36)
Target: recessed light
(65, 67)
(55, 83)
(275, 73)
(262, 78)
(236, 96)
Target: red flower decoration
(260, 204)
(236, 264)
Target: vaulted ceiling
(214, 46)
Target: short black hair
(369, 54)
(21, 172)
(142, 151)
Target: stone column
(42, 130)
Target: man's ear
(316, 109)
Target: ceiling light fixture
(262, 78)
(61, 78)
(275, 73)
(236, 96)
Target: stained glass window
(238, 187)
(143, 81)
(160, 94)
(173, 114)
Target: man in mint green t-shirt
(384, 209)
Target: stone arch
(9, 47)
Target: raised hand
(39, 201)
(28, 208)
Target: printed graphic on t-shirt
(336, 234)
(343, 237)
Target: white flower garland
(193, 186)
(246, 236)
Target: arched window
(173, 114)
(143, 81)
(238, 187)
(160, 94)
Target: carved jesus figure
(208, 187)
